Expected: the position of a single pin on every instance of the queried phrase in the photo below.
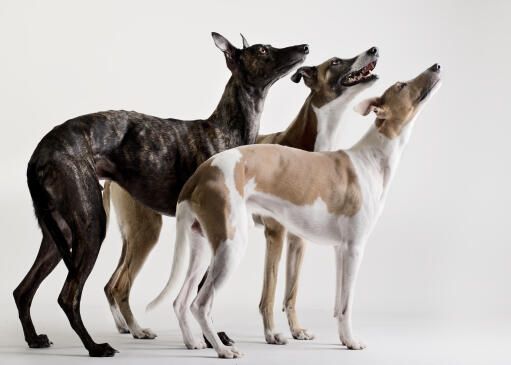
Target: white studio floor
(395, 340)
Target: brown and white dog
(333, 84)
(333, 198)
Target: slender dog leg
(200, 253)
(295, 252)
(275, 234)
(120, 323)
(351, 256)
(140, 228)
(46, 260)
(227, 257)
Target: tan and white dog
(333, 198)
(333, 83)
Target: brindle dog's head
(337, 76)
(260, 65)
(401, 102)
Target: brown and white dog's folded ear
(307, 72)
(370, 105)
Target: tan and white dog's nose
(373, 51)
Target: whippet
(333, 198)
(333, 84)
(148, 156)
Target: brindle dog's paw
(40, 342)
(102, 350)
(226, 340)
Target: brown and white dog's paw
(197, 344)
(229, 352)
(275, 338)
(144, 334)
(302, 334)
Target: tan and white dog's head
(336, 76)
(401, 102)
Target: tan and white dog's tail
(184, 219)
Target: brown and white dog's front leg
(348, 258)
(294, 259)
(275, 235)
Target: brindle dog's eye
(262, 50)
(335, 62)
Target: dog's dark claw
(102, 350)
(226, 340)
(40, 342)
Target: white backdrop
(441, 248)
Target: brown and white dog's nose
(435, 67)
(306, 48)
(373, 51)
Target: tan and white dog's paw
(302, 334)
(196, 344)
(353, 343)
(275, 338)
(144, 334)
(229, 352)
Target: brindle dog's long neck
(238, 112)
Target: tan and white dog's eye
(402, 85)
(262, 50)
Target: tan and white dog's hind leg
(294, 259)
(275, 235)
(348, 257)
(200, 256)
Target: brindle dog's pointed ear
(307, 72)
(226, 47)
(245, 43)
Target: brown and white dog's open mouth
(362, 75)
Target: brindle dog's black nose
(306, 48)
(435, 67)
(373, 51)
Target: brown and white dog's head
(336, 76)
(401, 102)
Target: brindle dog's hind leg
(120, 323)
(46, 260)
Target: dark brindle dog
(149, 157)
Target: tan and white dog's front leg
(348, 258)
(294, 259)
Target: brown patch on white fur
(299, 177)
(206, 191)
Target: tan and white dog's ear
(370, 105)
(307, 72)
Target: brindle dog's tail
(43, 207)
